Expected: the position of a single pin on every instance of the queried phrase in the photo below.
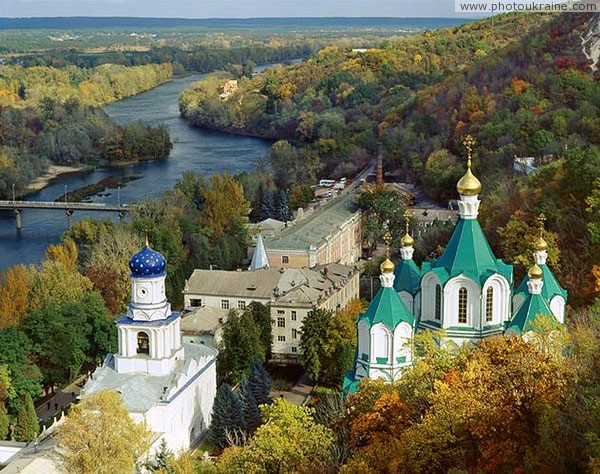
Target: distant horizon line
(239, 18)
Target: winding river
(194, 149)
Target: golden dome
(469, 185)
(535, 272)
(387, 266)
(407, 240)
(541, 244)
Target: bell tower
(149, 334)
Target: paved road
(299, 393)
(59, 401)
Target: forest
(520, 84)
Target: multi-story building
(330, 234)
(291, 294)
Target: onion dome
(535, 272)
(387, 266)
(541, 244)
(147, 263)
(407, 241)
(469, 185)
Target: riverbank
(54, 171)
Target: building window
(241, 305)
(280, 311)
(462, 305)
(224, 304)
(294, 349)
(281, 338)
(294, 316)
(280, 322)
(143, 343)
(195, 303)
(285, 259)
(438, 302)
(489, 305)
(294, 334)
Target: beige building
(329, 234)
(291, 294)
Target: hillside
(522, 85)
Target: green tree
(227, 416)
(6, 392)
(250, 411)
(26, 423)
(261, 314)
(314, 333)
(100, 437)
(25, 376)
(259, 382)
(239, 345)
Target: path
(59, 401)
(299, 393)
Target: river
(194, 149)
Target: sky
(228, 8)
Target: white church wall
(380, 343)
(407, 299)
(557, 306)
(450, 303)
(501, 300)
(363, 339)
(428, 284)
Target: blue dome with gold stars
(147, 263)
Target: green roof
(468, 252)
(316, 226)
(350, 384)
(407, 277)
(528, 311)
(550, 289)
(387, 308)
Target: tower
(149, 334)
(552, 292)
(407, 276)
(467, 290)
(260, 259)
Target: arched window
(489, 305)
(438, 302)
(462, 305)
(143, 343)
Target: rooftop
(282, 285)
(203, 320)
(140, 391)
(316, 227)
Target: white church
(163, 382)
(467, 292)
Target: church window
(224, 304)
(280, 322)
(489, 305)
(438, 302)
(462, 305)
(241, 304)
(143, 343)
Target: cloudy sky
(227, 8)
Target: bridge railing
(63, 205)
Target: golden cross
(469, 142)
(541, 220)
(407, 217)
(146, 235)
(387, 238)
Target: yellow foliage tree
(223, 200)
(55, 284)
(14, 295)
(65, 253)
(99, 436)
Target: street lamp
(65, 194)
(118, 196)
(13, 189)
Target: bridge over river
(68, 207)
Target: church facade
(166, 384)
(466, 292)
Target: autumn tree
(92, 438)
(26, 422)
(289, 440)
(55, 284)
(65, 253)
(14, 294)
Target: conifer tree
(226, 417)
(27, 427)
(249, 406)
(259, 382)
